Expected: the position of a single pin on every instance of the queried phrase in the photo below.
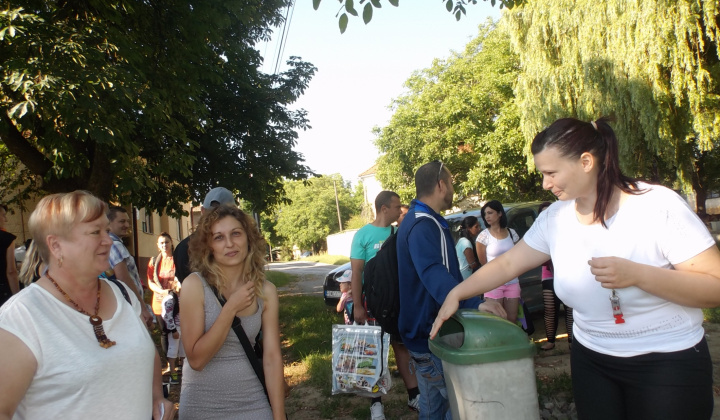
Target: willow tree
(651, 64)
(461, 111)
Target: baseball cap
(218, 195)
(346, 276)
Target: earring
(60, 261)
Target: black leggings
(552, 312)
(668, 386)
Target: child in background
(346, 300)
(171, 316)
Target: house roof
(370, 171)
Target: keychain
(617, 312)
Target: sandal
(547, 346)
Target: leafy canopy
(146, 102)
(347, 7)
(653, 65)
(462, 112)
(311, 213)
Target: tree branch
(35, 161)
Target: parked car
(331, 288)
(520, 217)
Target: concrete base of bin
(493, 391)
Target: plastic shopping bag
(359, 360)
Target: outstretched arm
(497, 272)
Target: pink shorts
(511, 291)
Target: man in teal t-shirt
(365, 244)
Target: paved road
(310, 276)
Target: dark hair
(498, 207)
(384, 198)
(572, 138)
(466, 224)
(427, 177)
(544, 205)
(4, 207)
(114, 210)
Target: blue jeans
(434, 403)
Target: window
(179, 227)
(146, 220)
(522, 221)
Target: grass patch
(328, 259)
(548, 386)
(278, 278)
(306, 323)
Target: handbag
(359, 360)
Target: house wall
(339, 243)
(371, 188)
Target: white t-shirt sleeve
(483, 237)
(537, 237)
(685, 234)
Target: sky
(361, 71)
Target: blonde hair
(56, 214)
(32, 266)
(203, 261)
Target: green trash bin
(489, 367)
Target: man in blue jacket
(428, 269)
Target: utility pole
(337, 206)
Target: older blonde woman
(227, 253)
(72, 345)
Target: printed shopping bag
(359, 360)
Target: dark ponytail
(466, 224)
(572, 138)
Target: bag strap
(443, 241)
(124, 291)
(240, 332)
(512, 237)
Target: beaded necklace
(95, 320)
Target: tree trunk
(698, 184)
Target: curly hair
(203, 261)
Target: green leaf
(316, 4)
(350, 7)
(394, 2)
(376, 3)
(367, 13)
(449, 5)
(343, 22)
(457, 15)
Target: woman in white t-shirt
(73, 345)
(634, 262)
(465, 250)
(492, 242)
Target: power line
(284, 35)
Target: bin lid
(473, 337)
